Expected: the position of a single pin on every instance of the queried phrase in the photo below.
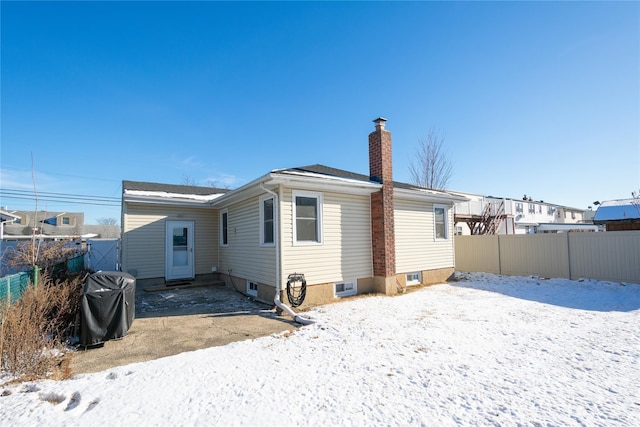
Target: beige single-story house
(347, 233)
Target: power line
(79, 202)
(62, 174)
(44, 196)
(10, 191)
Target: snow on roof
(166, 195)
(321, 176)
(618, 210)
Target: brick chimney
(382, 222)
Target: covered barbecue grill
(107, 307)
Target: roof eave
(322, 183)
(429, 196)
(273, 179)
(158, 200)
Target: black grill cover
(107, 307)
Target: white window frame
(346, 292)
(262, 227)
(222, 230)
(252, 288)
(68, 219)
(446, 223)
(414, 281)
(319, 220)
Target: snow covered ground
(487, 350)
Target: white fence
(611, 256)
(103, 254)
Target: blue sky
(537, 98)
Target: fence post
(569, 255)
(36, 273)
(499, 256)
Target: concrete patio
(173, 319)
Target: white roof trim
(315, 175)
(302, 181)
(314, 181)
(163, 197)
(7, 216)
(428, 195)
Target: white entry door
(179, 250)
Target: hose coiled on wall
(296, 294)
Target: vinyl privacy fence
(610, 256)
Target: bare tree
(107, 221)
(636, 200)
(188, 180)
(431, 167)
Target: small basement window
(343, 289)
(252, 288)
(414, 278)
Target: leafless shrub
(35, 329)
(42, 254)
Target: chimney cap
(380, 121)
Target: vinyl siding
(345, 253)
(243, 255)
(143, 246)
(416, 249)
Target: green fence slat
(12, 286)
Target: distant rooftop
(617, 210)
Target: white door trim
(179, 251)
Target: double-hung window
(440, 222)
(224, 228)
(307, 218)
(267, 221)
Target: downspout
(276, 299)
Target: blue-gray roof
(617, 210)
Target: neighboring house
(496, 215)
(6, 218)
(619, 215)
(55, 225)
(60, 221)
(347, 233)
